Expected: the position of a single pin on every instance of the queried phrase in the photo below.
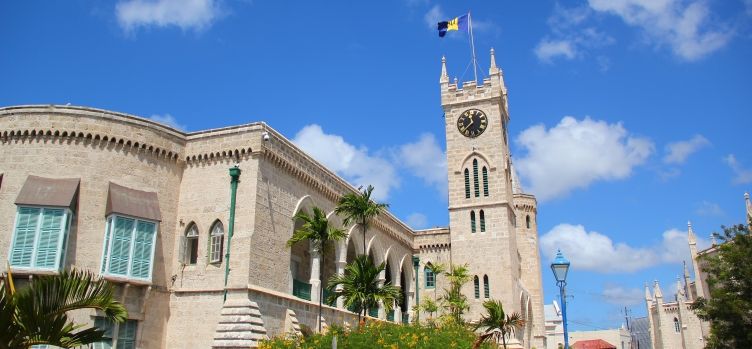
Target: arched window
(190, 245)
(485, 181)
(476, 184)
(486, 287)
(476, 283)
(430, 276)
(527, 221)
(677, 327)
(482, 221)
(467, 184)
(216, 242)
(472, 221)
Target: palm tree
(497, 324)
(437, 269)
(454, 301)
(319, 234)
(359, 208)
(360, 286)
(37, 314)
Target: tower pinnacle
(444, 77)
(493, 69)
(657, 291)
(691, 234)
(648, 297)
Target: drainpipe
(234, 179)
(416, 263)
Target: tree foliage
(729, 306)
(38, 313)
(359, 208)
(454, 302)
(496, 324)
(360, 289)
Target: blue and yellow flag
(458, 23)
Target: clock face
(472, 123)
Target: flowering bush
(382, 335)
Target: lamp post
(560, 267)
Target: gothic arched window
(677, 327)
(486, 287)
(216, 242)
(467, 184)
(190, 245)
(472, 221)
(482, 221)
(476, 184)
(485, 181)
(476, 282)
(527, 221)
(430, 276)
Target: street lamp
(560, 267)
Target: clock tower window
(476, 283)
(472, 222)
(475, 178)
(485, 181)
(467, 184)
(482, 221)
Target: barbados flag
(458, 23)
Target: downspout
(416, 264)
(234, 179)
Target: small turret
(657, 293)
(681, 296)
(749, 209)
(648, 297)
(493, 69)
(691, 234)
(444, 79)
(516, 187)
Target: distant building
(554, 325)
(673, 325)
(620, 337)
(639, 330)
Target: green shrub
(382, 335)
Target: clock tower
(491, 222)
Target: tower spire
(493, 69)
(444, 77)
(657, 292)
(691, 234)
(648, 297)
(749, 209)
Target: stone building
(148, 207)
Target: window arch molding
(216, 241)
(467, 161)
(189, 248)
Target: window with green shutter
(482, 221)
(39, 238)
(467, 184)
(485, 181)
(128, 249)
(476, 283)
(472, 221)
(486, 287)
(476, 184)
(123, 335)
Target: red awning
(593, 344)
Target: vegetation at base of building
(38, 313)
(321, 235)
(496, 324)
(729, 307)
(453, 301)
(360, 287)
(378, 335)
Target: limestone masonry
(147, 206)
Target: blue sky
(629, 117)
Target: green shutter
(121, 246)
(106, 250)
(476, 184)
(472, 221)
(142, 250)
(23, 239)
(106, 341)
(477, 287)
(50, 234)
(127, 335)
(467, 184)
(486, 288)
(485, 181)
(482, 221)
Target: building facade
(148, 207)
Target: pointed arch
(467, 183)
(485, 181)
(486, 287)
(476, 284)
(482, 221)
(476, 184)
(472, 221)
(189, 245)
(216, 241)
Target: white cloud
(623, 296)
(417, 220)
(356, 164)
(741, 175)
(685, 26)
(547, 50)
(168, 120)
(185, 14)
(575, 153)
(678, 152)
(434, 16)
(426, 160)
(748, 7)
(594, 251)
(707, 208)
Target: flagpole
(472, 46)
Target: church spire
(444, 77)
(657, 292)
(516, 187)
(691, 234)
(494, 69)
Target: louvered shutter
(127, 334)
(23, 239)
(106, 341)
(183, 250)
(50, 234)
(142, 250)
(106, 249)
(121, 246)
